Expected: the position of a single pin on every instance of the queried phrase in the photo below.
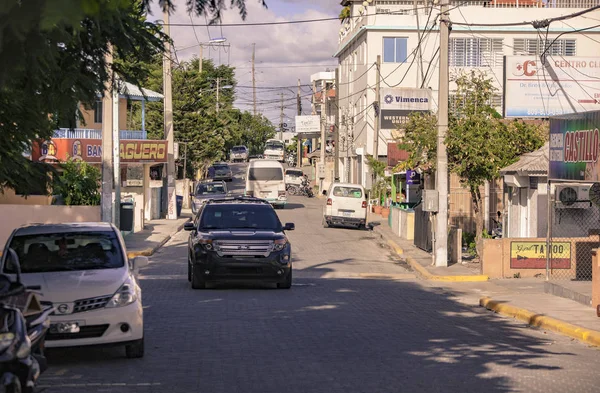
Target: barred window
(495, 102)
(476, 52)
(536, 46)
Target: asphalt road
(339, 329)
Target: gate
(422, 229)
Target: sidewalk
(155, 235)
(522, 299)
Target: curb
(423, 272)
(588, 336)
(147, 252)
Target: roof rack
(237, 199)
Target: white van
(346, 206)
(265, 179)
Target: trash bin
(127, 216)
(179, 205)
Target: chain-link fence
(574, 231)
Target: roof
(265, 164)
(131, 91)
(39, 228)
(534, 163)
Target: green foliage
(345, 13)
(79, 183)
(420, 140)
(380, 184)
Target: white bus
(274, 150)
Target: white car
(346, 206)
(265, 179)
(82, 269)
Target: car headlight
(6, 339)
(279, 244)
(124, 296)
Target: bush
(79, 184)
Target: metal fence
(574, 231)
(87, 133)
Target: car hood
(74, 285)
(243, 234)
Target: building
(405, 34)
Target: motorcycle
(305, 189)
(291, 160)
(22, 338)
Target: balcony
(88, 133)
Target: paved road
(331, 333)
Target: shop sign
(533, 255)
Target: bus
(274, 150)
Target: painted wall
(88, 117)
(8, 197)
(14, 216)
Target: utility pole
(254, 77)
(281, 120)
(168, 123)
(323, 135)
(185, 161)
(377, 108)
(116, 135)
(107, 141)
(313, 104)
(218, 88)
(200, 58)
(441, 227)
(298, 139)
(336, 163)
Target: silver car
(239, 153)
(206, 191)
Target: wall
(88, 116)
(8, 197)
(496, 261)
(14, 216)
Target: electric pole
(313, 144)
(281, 120)
(254, 78)
(376, 107)
(336, 147)
(298, 139)
(323, 135)
(107, 141)
(441, 227)
(218, 88)
(116, 138)
(168, 122)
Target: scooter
(305, 189)
(22, 339)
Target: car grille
(91, 331)
(254, 248)
(93, 303)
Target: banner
(90, 150)
(532, 255)
(406, 98)
(393, 119)
(308, 124)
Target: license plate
(347, 214)
(65, 327)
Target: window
(347, 192)
(476, 52)
(98, 112)
(210, 188)
(239, 217)
(394, 50)
(265, 174)
(535, 46)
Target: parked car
(346, 206)
(294, 177)
(221, 171)
(239, 238)
(82, 270)
(265, 179)
(207, 190)
(239, 154)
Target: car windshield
(239, 216)
(221, 167)
(55, 252)
(210, 188)
(273, 146)
(238, 149)
(293, 173)
(265, 174)
(347, 192)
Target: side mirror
(324, 192)
(189, 226)
(140, 262)
(289, 226)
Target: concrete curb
(423, 272)
(588, 336)
(147, 252)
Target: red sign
(90, 150)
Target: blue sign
(413, 178)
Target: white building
(405, 30)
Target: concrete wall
(496, 260)
(14, 216)
(8, 197)
(403, 223)
(88, 117)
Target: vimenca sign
(398, 103)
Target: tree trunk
(479, 219)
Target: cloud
(284, 53)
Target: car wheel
(325, 223)
(198, 282)
(362, 227)
(287, 284)
(135, 350)
(14, 387)
(189, 270)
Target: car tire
(287, 284)
(198, 282)
(135, 350)
(14, 387)
(325, 223)
(189, 265)
(362, 227)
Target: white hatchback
(346, 206)
(82, 269)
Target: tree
(479, 143)
(79, 184)
(52, 57)
(345, 14)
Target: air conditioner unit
(572, 196)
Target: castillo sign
(90, 150)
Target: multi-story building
(405, 33)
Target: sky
(284, 53)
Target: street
(343, 327)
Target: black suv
(238, 238)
